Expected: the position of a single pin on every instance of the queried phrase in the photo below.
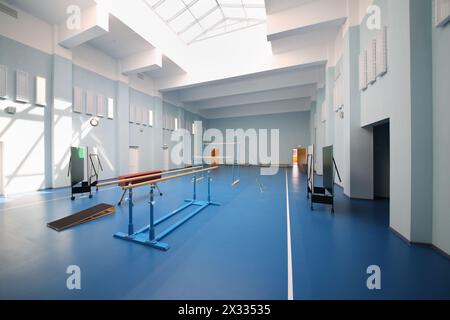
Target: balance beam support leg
(209, 187)
(195, 187)
(121, 199)
(147, 236)
(130, 212)
(152, 214)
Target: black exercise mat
(93, 213)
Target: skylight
(195, 20)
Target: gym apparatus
(324, 194)
(136, 178)
(103, 209)
(236, 166)
(147, 236)
(76, 171)
(90, 214)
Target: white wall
(441, 141)
(2, 191)
(27, 29)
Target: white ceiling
(49, 10)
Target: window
(138, 115)
(41, 91)
(150, 118)
(194, 128)
(132, 114)
(3, 81)
(110, 108)
(175, 124)
(101, 106)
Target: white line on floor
(289, 243)
(45, 201)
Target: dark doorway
(381, 161)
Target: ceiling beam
(297, 92)
(276, 107)
(146, 61)
(94, 23)
(254, 83)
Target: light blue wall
(171, 111)
(375, 101)
(37, 139)
(441, 137)
(101, 137)
(144, 136)
(358, 141)
(318, 130)
(122, 132)
(294, 129)
(403, 96)
(61, 121)
(421, 120)
(329, 92)
(27, 134)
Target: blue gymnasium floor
(236, 251)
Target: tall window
(41, 91)
(176, 124)
(110, 108)
(150, 118)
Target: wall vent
(442, 12)
(22, 86)
(140, 76)
(3, 81)
(77, 100)
(382, 54)
(363, 70)
(9, 11)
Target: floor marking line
(289, 243)
(44, 201)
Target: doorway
(215, 157)
(381, 161)
(294, 157)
